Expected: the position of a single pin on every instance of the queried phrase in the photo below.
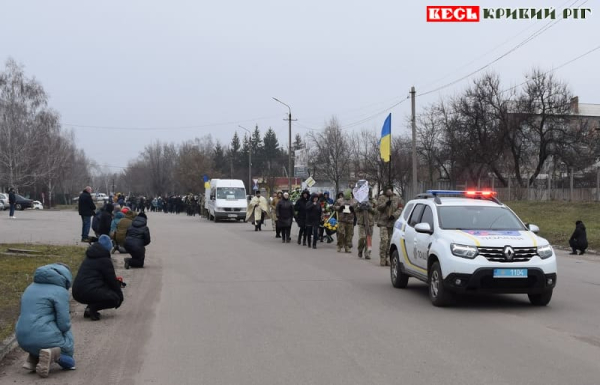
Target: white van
(227, 199)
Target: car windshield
(478, 218)
(231, 193)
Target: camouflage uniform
(365, 218)
(388, 213)
(345, 230)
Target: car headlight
(464, 251)
(545, 251)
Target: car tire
(541, 299)
(399, 279)
(438, 294)
(19, 207)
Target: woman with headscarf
(300, 210)
(578, 240)
(285, 215)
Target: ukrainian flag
(206, 182)
(385, 143)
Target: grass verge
(556, 220)
(16, 273)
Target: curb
(7, 346)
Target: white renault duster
(468, 241)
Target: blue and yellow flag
(385, 143)
(206, 182)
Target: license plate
(510, 273)
(232, 215)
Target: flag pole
(390, 162)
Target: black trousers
(286, 232)
(313, 234)
(302, 233)
(574, 246)
(137, 257)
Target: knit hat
(105, 241)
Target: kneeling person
(44, 326)
(96, 284)
(138, 237)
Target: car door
(410, 235)
(423, 240)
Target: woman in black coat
(578, 240)
(285, 216)
(300, 209)
(313, 219)
(96, 284)
(105, 220)
(136, 240)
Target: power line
(555, 69)
(168, 128)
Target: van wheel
(540, 299)
(399, 279)
(438, 294)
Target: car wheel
(438, 294)
(399, 279)
(540, 299)
(19, 207)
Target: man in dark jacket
(313, 219)
(578, 240)
(86, 211)
(285, 216)
(105, 220)
(138, 237)
(96, 284)
(300, 210)
(12, 200)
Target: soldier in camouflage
(365, 218)
(345, 232)
(389, 207)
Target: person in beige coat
(258, 208)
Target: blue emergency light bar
(468, 193)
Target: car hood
(498, 238)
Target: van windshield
(231, 193)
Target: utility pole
(249, 156)
(414, 142)
(289, 119)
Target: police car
(468, 241)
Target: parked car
(22, 203)
(4, 200)
(37, 205)
(2, 206)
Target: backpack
(96, 221)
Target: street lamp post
(289, 119)
(249, 156)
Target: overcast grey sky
(217, 64)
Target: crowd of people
(318, 218)
(43, 329)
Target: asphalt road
(222, 304)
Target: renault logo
(509, 253)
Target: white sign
(310, 181)
(361, 191)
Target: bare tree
(331, 152)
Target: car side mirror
(423, 227)
(533, 228)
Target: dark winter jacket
(44, 320)
(313, 212)
(579, 236)
(300, 208)
(285, 213)
(138, 235)
(86, 204)
(105, 220)
(96, 280)
(12, 199)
